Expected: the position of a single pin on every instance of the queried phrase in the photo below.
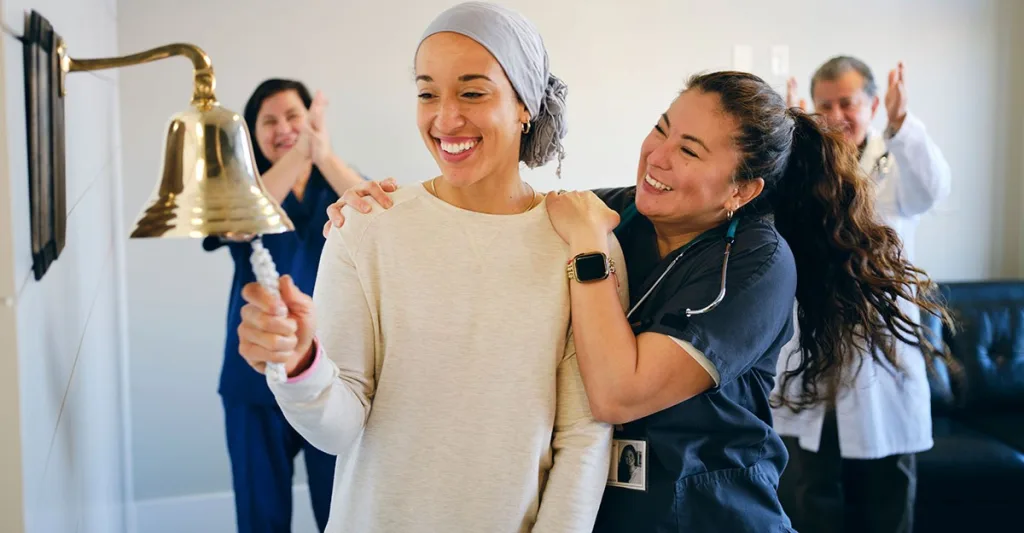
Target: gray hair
(518, 47)
(839, 65)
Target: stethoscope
(883, 165)
(730, 237)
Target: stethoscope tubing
(730, 238)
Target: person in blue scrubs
(741, 205)
(299, 169)
(742, 208)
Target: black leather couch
(973, 478)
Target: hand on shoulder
(354, 197)
(580, 215)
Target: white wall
(11, 498)
(623, 66)
(1010, 140)
(69, 332)
(1015, 173)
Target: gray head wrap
(519, 49)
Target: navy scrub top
(713, 462)
(296, 253)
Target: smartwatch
(590, 267)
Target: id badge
(628, 465)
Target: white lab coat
(882, 414)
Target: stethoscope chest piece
(883, 165)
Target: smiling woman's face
(468, 114)
(687, 163)
(278, 124)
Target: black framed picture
(44, 112)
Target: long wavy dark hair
(851, 270)
(263, 91)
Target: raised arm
(628, 376)
(281, 177)
(924, 175)
(331, 382)
(339, 175)
(329, 402)
(312, 148)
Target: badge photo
(628, 468)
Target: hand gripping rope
(266, 274)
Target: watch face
(591, 266)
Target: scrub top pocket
(737, 500)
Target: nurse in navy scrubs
(741, 206)
(734, 193)
(299, 169)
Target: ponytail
(852, 274)
(855, 287)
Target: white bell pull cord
(266, 274)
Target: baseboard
(211, 513)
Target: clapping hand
(896, 98)
(314, 135)
(791, 98)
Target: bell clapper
(266, 274)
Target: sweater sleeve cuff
(309, 385)
(317, 355)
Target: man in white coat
(852, 467)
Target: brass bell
(209, 183)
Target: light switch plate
(780, 60)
